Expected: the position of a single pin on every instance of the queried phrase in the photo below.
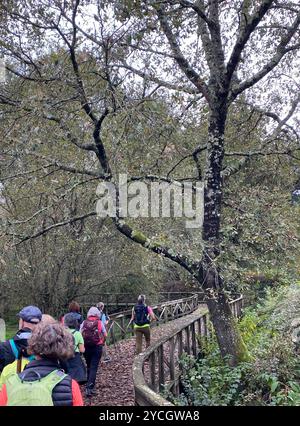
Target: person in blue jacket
(74, 309)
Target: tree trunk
(228, 336)
(225, 325)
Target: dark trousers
(92, 356)
(76, 368)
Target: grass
(11, 329)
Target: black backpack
(141, 315)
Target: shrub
(272, 377)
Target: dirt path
(114, 383)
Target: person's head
(70, 320)
(48, 319)
(74, 307)
(94, 312)
(141, 299)
(29, 317)
(100, 306)
(51, 341)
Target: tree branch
(231, 170)
(281, 50)
(138, 237)
(56, 225)
(246, 29)
(158, 81)
(196, 7)
(262, 153)
(70, 169)
(182, 62)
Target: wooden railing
(158, 368)
(125, 301)
(119, 327)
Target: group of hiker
(42, 364)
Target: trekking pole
(19, 365)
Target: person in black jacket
(11, 349)
(142, 315)
(49, 343)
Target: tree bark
(228, 336)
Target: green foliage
(271, 377)
(11, 328)
(261, 229)
(211, 381)
(288, 396)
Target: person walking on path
(43, 383)
(13, 349)
(105, 320)
(142, 315)
(94, 335)
(74, 309)
(24, 358)
(74, 366)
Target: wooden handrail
(127, 300)
(158, 367)
(164, 312)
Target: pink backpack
(91, 334)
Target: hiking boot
(90, 392)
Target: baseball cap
(30, 314)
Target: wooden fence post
(194, 341)
(161, 368)
(112, 333)
(152, 371)
(172, 364)
(205, 329)
(166, 314)
(180, 344)
(123, 331)
(188, 340)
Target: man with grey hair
(142, 315)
